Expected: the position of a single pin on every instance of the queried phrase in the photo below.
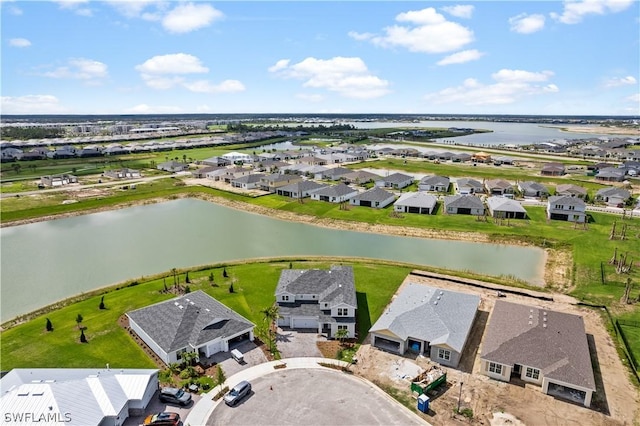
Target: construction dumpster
(428, 380)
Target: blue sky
(478, 57)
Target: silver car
(236, 394)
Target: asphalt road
(313, 397)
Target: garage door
(304, 323)
(386, 344)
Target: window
(343, 311)
(572, 207)
(444, 354)
(495, 368)
(343, 327)
(285, 298)
(180, 352)
(532, 373)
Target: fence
(629, 351)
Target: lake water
(45, 262)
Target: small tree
(224, 273)
(186, 278)
(102, 303)
(83, 338)
(187, 289)
(290, 265)
(79, 320)
(342, 334)
(49, 325)
(211, 279)
(220, 376)
(231, 290)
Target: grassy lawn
(29, 344)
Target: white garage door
(304, 323)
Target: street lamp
(459, 397)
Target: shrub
(49, 325)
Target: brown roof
(554, 342)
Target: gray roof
(441, 317)
(503, 204)
(570, 189)
(396, 178)
(336, 171)
(334, 286)
(554, 342)
(192, 319)
(614, 192)
(253, 178)
(566, 200)
(611, 172)
(279, 177)
(338, 190)
(468, 182)
(498, 183)
(374, 194)
(360, 176)
(303, 186)
(463, 201)
(533, 186)
(435, 180)
(417, 199)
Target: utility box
(423, 403)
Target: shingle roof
(498, 183)
(434, 180)
(338, 190)
(503, 204)
(463, 201)
(533, 186)
(336, 285)
(566, 200)
(441, 317)
(613, 192)
(336, 171)
(554, 342)
(397, 178)
(253, 178)
(571, 189)
(374, 194)
(303, 186)
(468, 182)
(417, 199)
(192, 319)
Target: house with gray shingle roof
(466, 186)
(434, 183)
(571, 190)
(539, 346)
(463, 204)
(251, 181)
(427, 320)
(359, 177)
(335, 173)
(570, 209)
(552, 169)
(335, 193)
(395, 181)
(499, 187)
(301, 189)
(318, 299)
(505, 208)
(613, 196)
(376, 197)
(533, 189)
(416, 202)
(611, 174)
(195, 322)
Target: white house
(415, 202)
(334, 193)
(568, 208)
(376, 197)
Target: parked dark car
(236, 394)
(175, 396)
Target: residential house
(274, 181)
(613, 196)
(302, 189)
(499, 187)
(238, 157)
(173, 166)
(312, 160)
(359, 177)
(194, 322)
(427, 320)
(202, 172)
(461, 157)
(467, 186)
(376, 197)
(318, 299)
(250, 181)
(463, 204)
(552, 169)
(334, 194)
(416, 202)
(505, 208)
(395, 181)
(335, 173)
(571, 190)
(123, 174)
(271, 166)
(611, 174)
(498, 161)
(58, 180)
(76, 396)
(232, 173)
(481, 157)
(530, 189)
(217, 162)
(434, 183)
(539, 346)
(563, 207)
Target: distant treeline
(24, 133)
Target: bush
(221, 393)
(49, 325)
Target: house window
(495, 368)
(558, 207)
(343, 311)
(343, 327)
(285, 298)
(180, 352)
(444, 354)
(532, 373)
(572, 207)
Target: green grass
(29, 344)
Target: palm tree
(341, 334)
(271, 315)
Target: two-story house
(562, 207)
(318, 299)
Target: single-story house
(334, 173)
(217, 162)
(301, 189)
(505, 208)
(532, 189)
(202, 172)
(75, 396)
(376, 197)
(58, 180)
(173, 166)
(463, 204)
(250, 181)
(434, 183)
(359, 177)
(571, 190)
(194, 322)
(427, 320)
(481, 157)
(539, 346)
(499, 187)
(552, 169)
(334, 193)
(611, 174)
(467, 186)
(563, 207)
(395, 181)
(613, 196)
(318, 299)
(123, 173)
(416, 202)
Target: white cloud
(190, 17)
(19, 42)
(509, 86)
(349, 77)
(526, 24)
(80, 69)
(461, 57)
(459, 11)
(175, 63)
(620, 81)
(575, 11)
(31, 104)
(149, 109)
(204, 86)
(634, 98)
(134, 8)
(280, 65)
(76, 6)
(425, 31)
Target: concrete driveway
(253, 355)
(296, 343)
(155, 406)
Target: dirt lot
(616, 401)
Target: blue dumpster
(423, 403)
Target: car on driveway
(175, 396)
(238, 392)
(163, 418)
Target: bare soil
(616, 401)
